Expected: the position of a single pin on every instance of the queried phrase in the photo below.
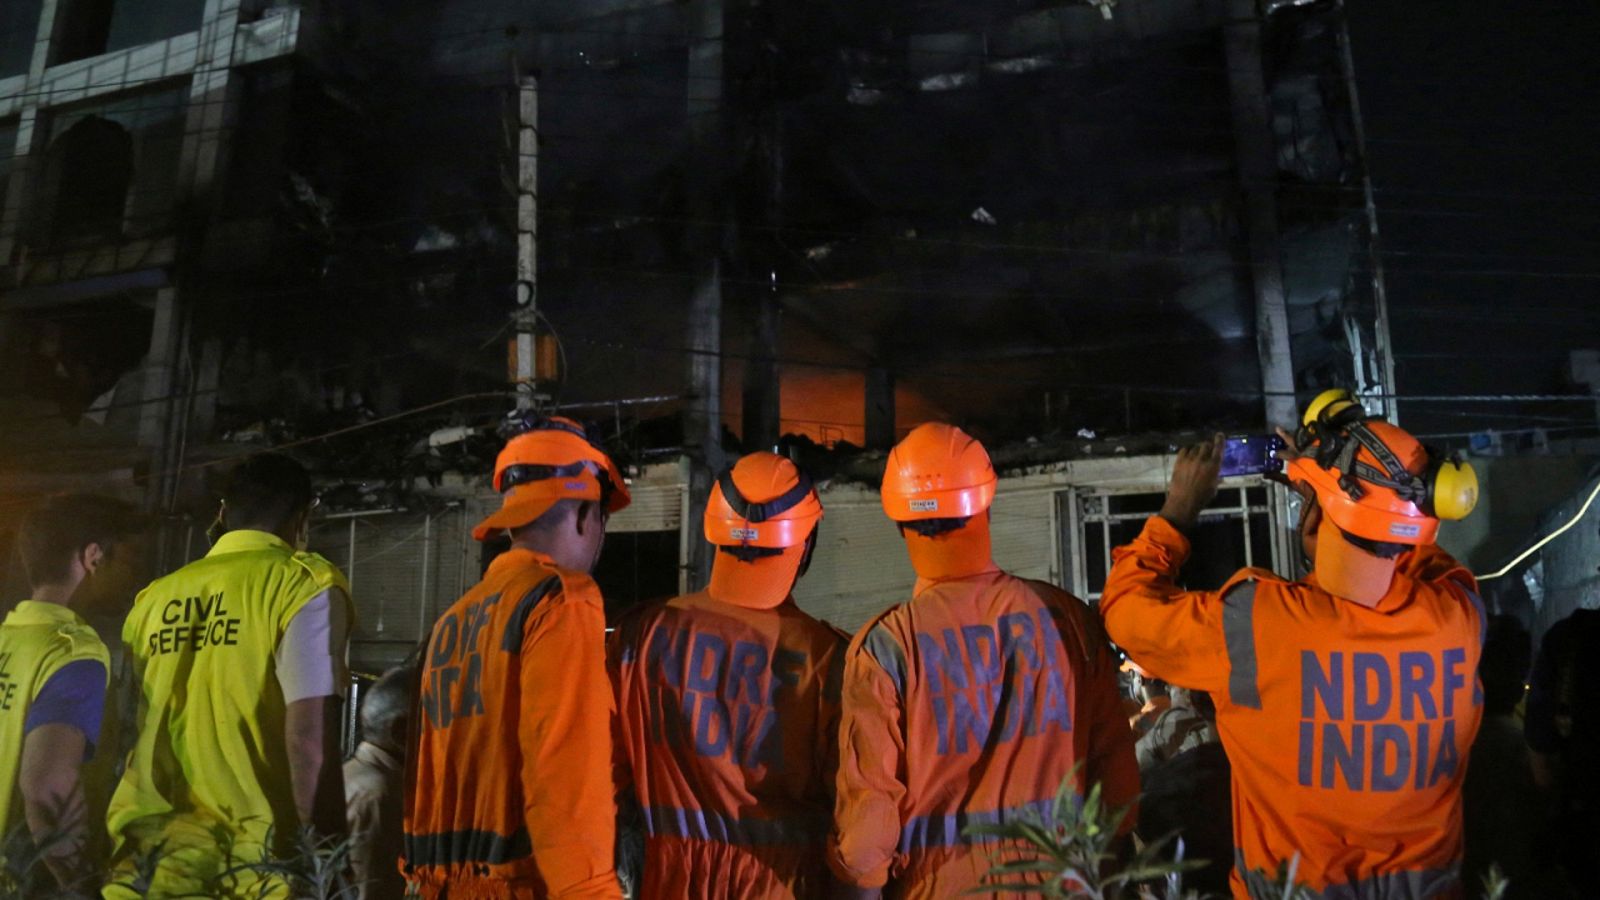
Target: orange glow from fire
(825, 404)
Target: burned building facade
(230, 225)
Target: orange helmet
(762, 513)
(1373, 479)
(764, 500)
(553, 460)
(937, 472)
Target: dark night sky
(1483, 122)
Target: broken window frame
(1080, 509)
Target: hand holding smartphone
(1255, 454)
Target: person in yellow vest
(240, 659)
(53, 675)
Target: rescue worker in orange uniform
(1347, 700)
(728, 704)
(510, 771)
(971, 703)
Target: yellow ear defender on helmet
(1452, 488)
(1447, 488)
(1328, 405)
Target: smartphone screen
(1251, 455)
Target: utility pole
(1258, 176)
(1383, 337)
(761, 377)
(213, 99)
(525, 318)
(880, 430)
(758, 73)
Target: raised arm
(1175, 635)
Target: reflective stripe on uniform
(511, 640)
(1239, 633)
(883, 648)
(705, 825)
(1408, 884)
(1483, 637)
(1483, 614)
(463, 847)
(924, 832)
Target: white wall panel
(861, 566)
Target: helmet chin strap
(811, 549)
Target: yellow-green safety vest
(36, 640)
(208, 778)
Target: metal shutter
(404, 569)
(860, 567)
(655, 507)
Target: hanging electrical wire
(1576, 518)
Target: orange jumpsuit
(1347, 727)
(970, 704)
(510, 770)
(728, 724)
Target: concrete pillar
(31, 142)
(208, 380)
(880, 408)
(702, 419)
(762, 409)
(702, 416)
(207, 128)
(1258, 177)
(705, 67)
(160, 371)
(1584, 368)
(213, 98)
